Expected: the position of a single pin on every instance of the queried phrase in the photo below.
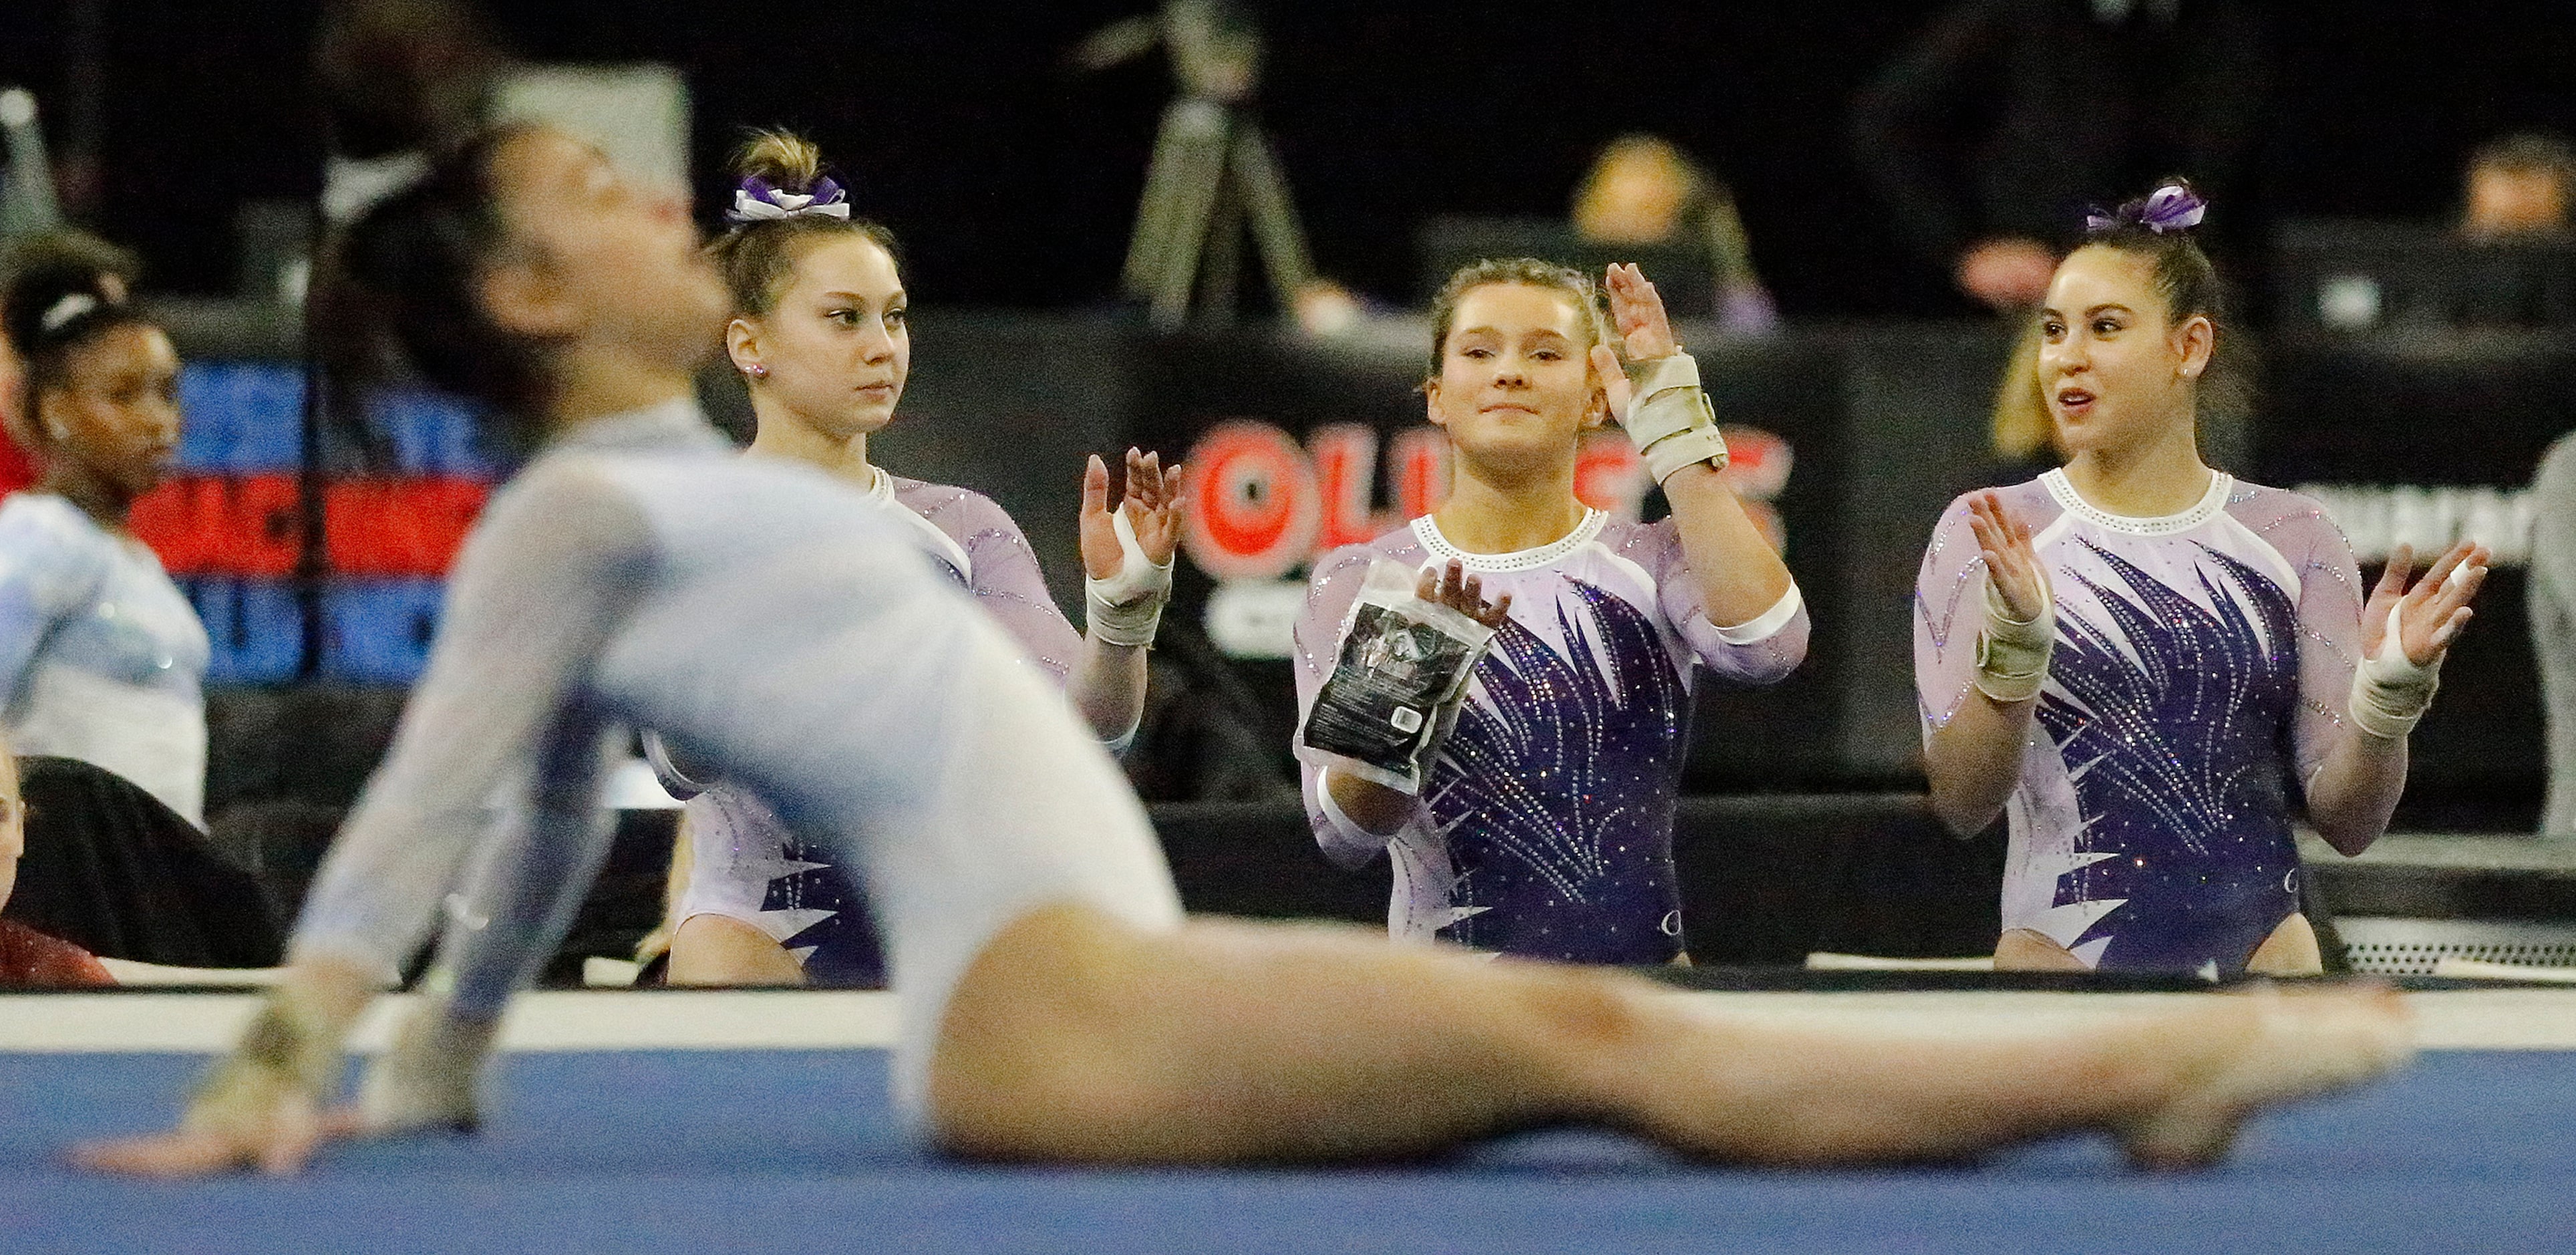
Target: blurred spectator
(2023, 437)
(2552, 603)
(102, 658)
(2518, 188)
(28, 957)
(1644, 191)
(1990, 133)
(116, 270)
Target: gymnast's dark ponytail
(401, 287)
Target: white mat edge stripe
(2479, 1019)
(711, 1020)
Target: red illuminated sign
(1259, 506)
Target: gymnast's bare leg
(1075, 1039)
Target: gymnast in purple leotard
(2146, 665)
(820, 337)
(1542, 825)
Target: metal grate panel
(2391, 946)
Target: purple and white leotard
(749, 866)
(1545, 825)
(2202, 665)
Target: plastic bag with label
(1397, 679)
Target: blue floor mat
(796, 1151)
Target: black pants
(113, 871)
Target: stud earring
(756, 371)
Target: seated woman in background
(30, 959)
(101, 656)
(821, 336)
(2142, 662)
(1643, 191)
(2519, 187)
(1543, 825)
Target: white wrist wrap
(2012, 656)
(1690, 448)
(427, 1081)
(1669, 418)
(2390, 692)
(1127, 608)
(290, 1052)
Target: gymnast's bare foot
(2282, 1047)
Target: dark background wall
(1013, 181)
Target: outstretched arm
(1129, 578)
(1741, 577)
(2356, 789)
(552, 568)
(1974, 761)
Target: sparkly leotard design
(1546, 820)
(1560, 828)
(2201, 666)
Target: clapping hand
(1637, 317)
(2012, 565)
(2432, 613)
(1152, 504)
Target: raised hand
(2432, 613)
(2012, 564)
(1451, 586)
(1637, 314)
(1153, 505)
(1151, 502)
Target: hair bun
(2172, 208)
(782, 159)
(54, 283)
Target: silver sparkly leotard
(770, 621)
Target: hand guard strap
(428, 1079)
(1669, 418)
(2012, 655)
(290, 1048)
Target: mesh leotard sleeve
(1763, 650)
(2329, 615)
(1006, 580)
(494, 746)
(1947, 617)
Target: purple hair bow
(754, 200)
(2172, 207)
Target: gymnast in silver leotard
(854, 688)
